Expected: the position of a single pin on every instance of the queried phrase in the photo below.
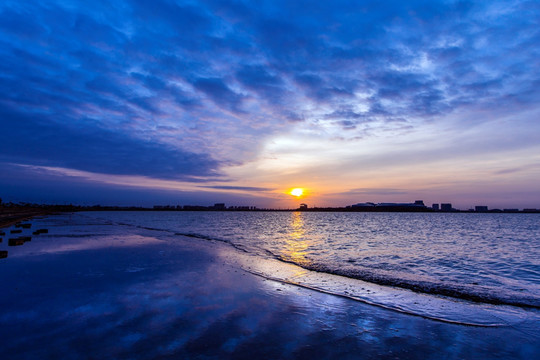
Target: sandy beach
(89, 289)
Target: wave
(476, 294)
(438, 308)
(425, 299)
(204, 237)
(438, 301)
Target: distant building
(481, 208)
(417, 203)
(239, 208)
(195, 208)
(435, 207)
(219, 206)
(303, 207)
(366, 204)
(446, 207)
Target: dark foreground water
(127, 285)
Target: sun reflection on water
(296, 245)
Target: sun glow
(297, 192)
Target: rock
(16, 242)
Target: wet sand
(97, 290)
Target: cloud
(374, 191)
(18, 183)
(259, 80)
(219, 92)
(412, 58)
(171, 89)
(182, 19)
(242, 188)
(78, 146)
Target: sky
(198, 102)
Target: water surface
(492, 258)
(104, 285)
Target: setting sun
(297, 192)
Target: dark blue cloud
(259, 80)
(219, 92)
(18, 25)
(18, 184)
(182, 19)
(242, 188)
(310, 81)
(331, 50)
(39, 141)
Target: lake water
(476, 269)
(487, 259)
(151, 284)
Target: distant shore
(10, 216)
(404, 209)
(11, 213)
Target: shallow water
(491, 258)
(92, 288)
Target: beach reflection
(296, 245)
